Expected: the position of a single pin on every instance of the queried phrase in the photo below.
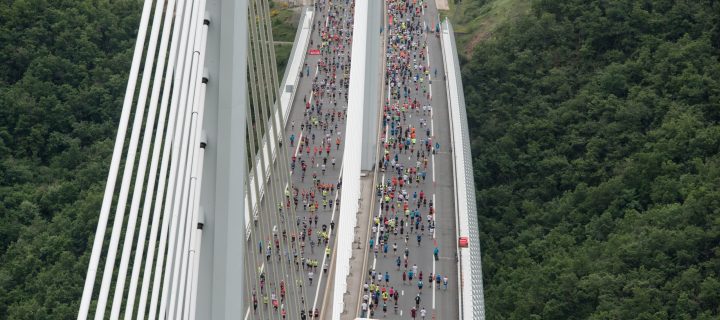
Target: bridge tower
(205, 104)
(221, 276)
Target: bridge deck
(439, 303)
(437, 185)
(319, 94)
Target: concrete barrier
(350, 193)
(363, 109)
(472, 301)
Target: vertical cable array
(114, 165)
(273, 232)
(165, 259)
(298, 292)
(169, 196)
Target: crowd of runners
(406, 210)
(403, 228)
(315, 139)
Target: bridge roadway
(438, 302)
(316, 122)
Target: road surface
(313, 138)
(410, 55)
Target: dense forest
(596, 154)
(62, 81)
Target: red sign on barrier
(463, 242)
(314, 52)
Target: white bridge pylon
(196, 118)
(204, 156)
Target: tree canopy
(595, 139)
(62, 82)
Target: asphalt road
(315, 123)
(438, 302)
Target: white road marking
(432, 123)
(377, 236)
(432, 155)
(433, 286)
(427, 50)
(427, 55)
(247, 314)
(332, 218)
(433, 166)
(432, 132)
(435, 217)
(297, 147)
(432, 282)
(430, 88)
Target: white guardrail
(289, 87)
(472, 301)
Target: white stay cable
(150, 189)
(264, 148)
(194, 251)
(178, 171)
(266, 199)
(114, 165)
(284, 171)
(191, 177)
(183, 69)
(127, 175)
(279, 176)
(142, 165)
(251, 264)
(157, 210)
(198, 161)
(258, 227)
(170, 292)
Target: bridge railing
(472, 302)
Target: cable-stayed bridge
(243, 195)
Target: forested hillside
(62, 80)
(596, 152)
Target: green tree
(594, 129)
